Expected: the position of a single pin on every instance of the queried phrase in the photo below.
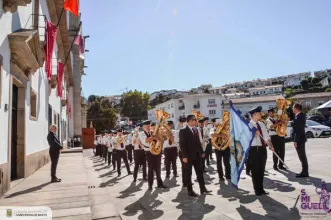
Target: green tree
(101, 112)
(315, 80)
(135, 104)
(304, 84)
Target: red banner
(72, 6)
(51, 31)
(60, 71)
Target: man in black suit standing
(55, 149)
(299, 138)
(192, 153)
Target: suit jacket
(299, 125)
(54, 143)
(190, 145)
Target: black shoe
(202, 191)
(228, 177)
(208, 164)
(130, 173)
(55, 180)
(150, 188)
(114, 168)
(134, 181)
(258, 194)
(222, 179)
(264, 192)
(276, 168)
(301, 175)
(119, 175)
(167, 176)
(204, 171)
(162, 186)
(282, 168)
(58, 179)
(175, 175)
(248, 173)
(192, 193)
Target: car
(313, 130)
(319, 119)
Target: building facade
(246, 104)
(29, 102)
(312, 100)
(210, 105)
(267, 90)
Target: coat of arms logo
(9, 213)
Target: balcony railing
(181, 107)
(196, 106)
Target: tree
(315, 80)
(101, 112)
(135, 105)
(206, 90)
(305, 84)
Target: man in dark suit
(192, 153)
(299, 138)
(55, 149)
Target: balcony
(11, 5)
(196, 106)
(182, 107)
(212, 105)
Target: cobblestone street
(111, 197)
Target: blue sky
(144, 45)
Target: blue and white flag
(242, 135)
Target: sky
(150, 45)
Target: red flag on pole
(60, 71)
(80, 41)
(51, 31)
(72, 6)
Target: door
(14, 134)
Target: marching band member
(170, 153)
(209, 148)
(99, 146)
(258, 151)
(106, 143)
(129, 146)
(203, 138)
(120, 152)
(113, 154)
(139, 156)
(182, 124)
(154, 161)
(110, 148)
(192, 152)
(221, 154)
(277, 141)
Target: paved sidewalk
(68, 199)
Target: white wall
(36, 130)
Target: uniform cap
(147, 122)
(255, 110)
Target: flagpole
(58, 22)
(72, 43)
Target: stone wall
(5, 182)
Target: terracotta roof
(267, 98)
(312, 95)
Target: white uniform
(99, 139)
(104, 140)
(136, 142)
(174, 144)
(257, 140)
(116, 145)
(128, 140)
(109, 144)
(142, 137)
(271, 131)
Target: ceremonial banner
(51, 31)
(241, 138)
(80, 41)
(60, 71)
(72, 6)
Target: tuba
(223, 128)
(282, 116)
(161, 132)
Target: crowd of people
(192, 144)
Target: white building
(209, 105)
(172, 93)
(295, 79)
(325, 82)
(28, 101)
(115, 99)
(246, 104)
(266, 90)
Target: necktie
(170, 142)
(272, 120)
(261, 137)
(201, 129)
(122, 145)
(195, 132)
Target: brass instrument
(197, 115)
(282, 105)
(120, 140)
(223, 128)
(161, 132)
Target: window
(308, 104)
(172, 105)
(211, 101)
(172, 115)
(0, 79)
(33, 104)
(168, 106)
(320, 103)
(212, 112)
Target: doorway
(13, 162)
